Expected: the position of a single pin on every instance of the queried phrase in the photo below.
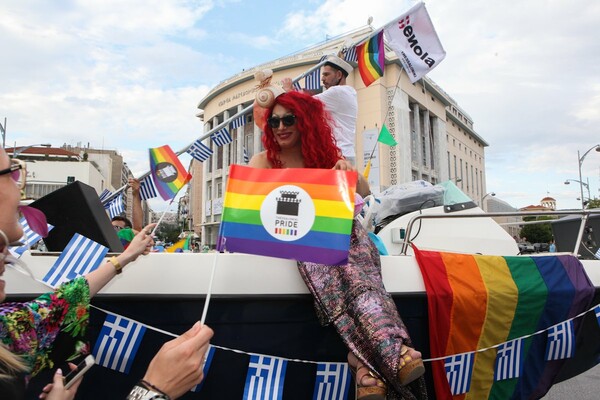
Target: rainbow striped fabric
(167, 172)
(478, 302)
(371, 59)
(294, 213)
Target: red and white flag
(415, 42)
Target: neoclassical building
(436, 138)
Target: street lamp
(587, 185)
(22, 149)
(486, 195)
(580, 161)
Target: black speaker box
(565, 231)
(76, 208)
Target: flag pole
(209, 290)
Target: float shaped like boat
(260, 305)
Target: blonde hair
(10, 364)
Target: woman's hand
(344, 165)
(140, 245)
(56, 389)
(177, 367)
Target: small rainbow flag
(168, 173)
(371, 59)
(296, 213)
(481, 301)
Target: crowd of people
(299, 131)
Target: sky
(128, 74)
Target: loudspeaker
(565, 231)
(76, 208)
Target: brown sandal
(410, 368)
(376, 391)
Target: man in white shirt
(341, 102)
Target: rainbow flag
(167, 172)
(295, 213)
(371, 59)
(482, 301)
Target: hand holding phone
(78, 372)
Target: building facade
(436, 138)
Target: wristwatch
(141, 392)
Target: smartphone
(78, 372)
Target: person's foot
(368, 386)
(411, 365)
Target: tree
(168, 232)
(593, 203)
(537, 233)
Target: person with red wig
(352, 297)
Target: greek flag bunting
(597, 312)
(29, 238)
(264, 380)
(458, 372)
(312, 81)
(80, 256)
(333, 381)
(297, 86)
(238, 122)
(199, 151)
(561, 341)
(209, 356)
(509, 360)
(118, 342)
(350, 55)
(115, 207)
(597, 255)
(221, 137)
(104, 195)
(246, 157)
(147, 188)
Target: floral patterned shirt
(30, 328)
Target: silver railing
(585, 214)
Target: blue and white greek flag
(265, 378)
(115, 207)
(333, 381)
(221, 137)
(561, 341)
(29, 238)
(459, 369)
(208, 360)
(350, 55)
(238, 122)
(297, 86)
(147, 188)
(104, 195)
(509, 360)
(80, 256)
(312, 81)
(199, 151)
(246, 157)
(118, 342)
(597, 255)
(597, 312)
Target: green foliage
(168, 232)
(594, 203)
(537, 233)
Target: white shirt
(341, 103)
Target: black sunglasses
(288, 120)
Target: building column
(417, 161)
(403, 172)
(427, 167)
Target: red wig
(319, 149)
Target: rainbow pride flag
(167, 172)
(476, 302)
(371, 59)
(295, 213)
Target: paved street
(582, 387)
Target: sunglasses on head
(17, 171)
(287, 120)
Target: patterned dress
(353, 298)
(30, 329)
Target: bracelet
(118, 267)
(151, 386)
